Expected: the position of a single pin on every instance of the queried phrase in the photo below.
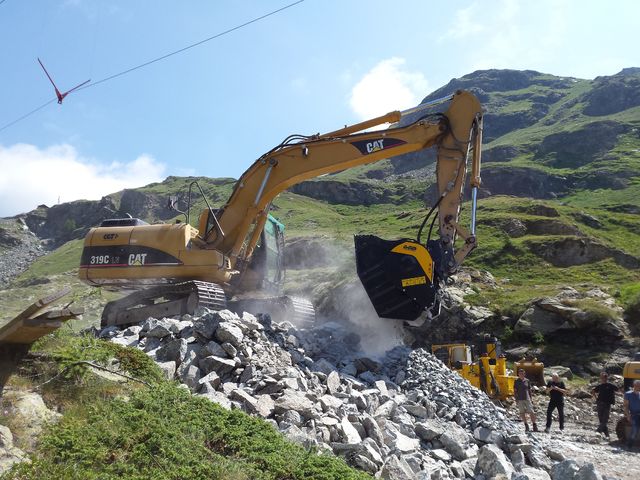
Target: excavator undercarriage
(163, 301)
(185, 297)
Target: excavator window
(210, 223)
(273, 244)
(207, 222)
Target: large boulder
(594, 314)
(29, 410)
(492, 462)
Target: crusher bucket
(398, 276)
(534, 370)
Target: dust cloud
(345, 301)
(377, 335)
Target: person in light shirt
(632, 411)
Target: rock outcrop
(569, 251)
(613, 94)
(583, 319)
(28, 410)
(576, 148)
(9, 453)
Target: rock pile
(19, 247)
(402, 416)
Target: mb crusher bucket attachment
(398, 276)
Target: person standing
(522, 392)
(556, 390)
(632, 411)
(605, 397)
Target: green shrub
(166, 433)
(69, 226)
(507, 335)
(538, 338)
(69, 349)
(630, 298)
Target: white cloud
(33, 176)
(386, 87)
(465, 24)
(512, 34)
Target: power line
(27, 114)
(93, 84)
(129, 70)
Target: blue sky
(213, 109)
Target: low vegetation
(165, 433)
(150, 428)
(630, 298)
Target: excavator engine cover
(398, 276)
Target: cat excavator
(234, 257)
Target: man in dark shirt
(522, 392)
(605, 392)
(556, 391)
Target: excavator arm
(455, 133)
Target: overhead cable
(129, 70)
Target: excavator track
(163, 301)
(296, 310)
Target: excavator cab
(398, 276)
(268, 256)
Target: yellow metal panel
(631, 370)
(408, 282)
(108, 236)
(421, 254)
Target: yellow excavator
(235, 254)
(488, 372)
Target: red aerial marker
(58, 94)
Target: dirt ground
(579, 440)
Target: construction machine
(533, 370)
(631, 372)
(488, 372)
(235, 254)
